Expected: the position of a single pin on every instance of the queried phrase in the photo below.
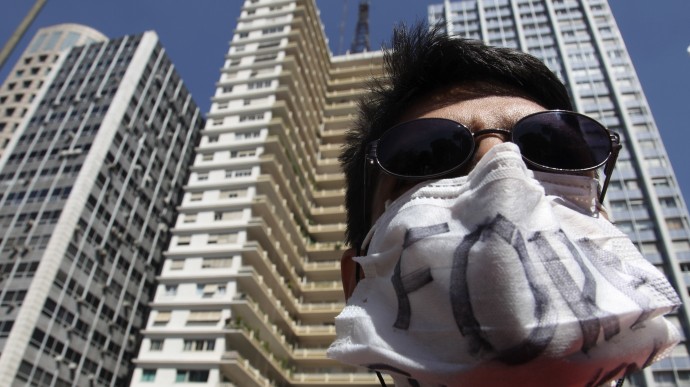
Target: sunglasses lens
(562, 140)
(424, 148)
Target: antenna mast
(361, 40)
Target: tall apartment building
(88, 187)
(251, 282)
(581, 43)
(31, 70)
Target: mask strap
(380, 379)
(361, 250)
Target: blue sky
(196, 34)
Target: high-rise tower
(581, 43)
(251, 282)
(31, 70)
(88, 186)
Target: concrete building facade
(251, 282)
(581, 43)
(31, 70)
(88, 187)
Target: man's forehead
(466, 91)
(473, 109)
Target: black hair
(423, 60)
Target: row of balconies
(256, 286)
(325, 290)
(243, 373)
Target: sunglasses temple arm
(365, 217)
(610, 164)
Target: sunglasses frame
(371, 159)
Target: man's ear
(348, 272)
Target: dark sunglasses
(553, 141)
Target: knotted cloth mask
(499, 278)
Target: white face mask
(486, 280)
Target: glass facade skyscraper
(581, 43)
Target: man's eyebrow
(503, 122)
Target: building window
(162, 318)
(170, 290)
(265, 58)
(212, 139)
(177, 264)
(210, 290)
(273, 30)
(202, 177)
(191, 376)
(251, 117)
(227, 215)
(215, 263)
(232, 194)
(148, 375)
(274, 43)
(184, 240)
(246, 135)
(674, 224)
(190, 218)
(243, 173)
(207, 157)
(156, 345)
(196, 196)
(244, 153)
(222, 239)
(203, 317)
(259, 84)
(199, 345)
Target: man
(481, 255)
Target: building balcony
(334, 125)
(330, 150)
(329, 198)
(338, 380)
(313, 313)
(325, 251)
(327, 232)
(280, 332)
(327, 166)
(328, 215)
(330, 181)
(278, 297)
(242, 373)
(323, 271)
(342, 106)
(352, 93)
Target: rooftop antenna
(343, 19)
(361, 40)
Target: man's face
(477, 112)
